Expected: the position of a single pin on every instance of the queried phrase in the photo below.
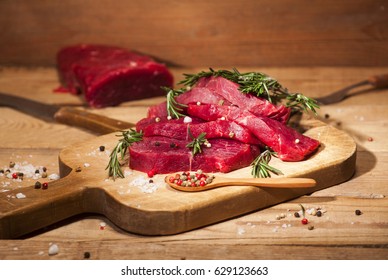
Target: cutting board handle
(62, 199)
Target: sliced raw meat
(257, 106)
(194, 95)
(178, 129)
(289, 144)
(165, 155)
(108, 76)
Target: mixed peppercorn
(187, 179)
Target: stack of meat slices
(237, 127)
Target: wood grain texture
(202, 33)
(338, 234)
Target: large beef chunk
(179, 129)
(289, 144)
(166, 155)
(194, 95)
(108, 76)
(221, 91)
(256, 105)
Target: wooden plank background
(202, 33)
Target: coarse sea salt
(53, 249)
(53, 176)
(28, 170)
(240, 231)
(20, 195)
(187, 119)
(144, 184)
(127, 172)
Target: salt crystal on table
(86, 164)
(53, 250)
(20, 195)
(240, 231)
(53, 176)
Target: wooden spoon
(255, 182)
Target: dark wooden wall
(202, 33)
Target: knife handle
(379, 81)
(90, 121)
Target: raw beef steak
(108, 76)
(289, 144)
(256, 105)
(197, 94)
(163, 155)
(178, 129)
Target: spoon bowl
(217, 182)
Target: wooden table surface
(337, 234)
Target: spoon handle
(265, 182)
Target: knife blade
(64, 114)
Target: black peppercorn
(102, 148)
(38, 185)
(86, 255)
(319, 213)
(296, 215)
(358, 212)
(172, 145)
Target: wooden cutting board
(156, 209)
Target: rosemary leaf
(174, 109)
(118, 153)
(197, 142)
(261, 167)
(303, 210)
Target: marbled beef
(108, 76)
(256, 105)
(289, 144)
(163, 155)
(196, 94)
(178, 129)
(221, 91)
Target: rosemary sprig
(197, 142)
(259, 84)
(118, 153)
(261, 167)
(302, 102)
(174, 109)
